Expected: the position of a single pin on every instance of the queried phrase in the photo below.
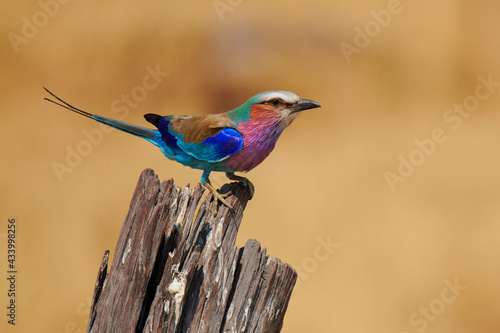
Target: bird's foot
(243, 180)
(218, 196)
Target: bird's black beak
(303, 104)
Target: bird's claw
(218, 196)
(246, 182)
(250, 186)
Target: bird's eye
(274, 102)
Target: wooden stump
(176, 268)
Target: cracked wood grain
(176, 267)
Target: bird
(235, 141)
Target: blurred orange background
(392, 228)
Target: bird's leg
(217, 196)
(244, 180)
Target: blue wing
(222, 144)
(216, 148)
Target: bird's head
(277, 104)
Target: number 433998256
(11, 245)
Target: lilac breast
(259, 139)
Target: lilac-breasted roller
(235, 141)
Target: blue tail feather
(161, 138)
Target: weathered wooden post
(176, 268)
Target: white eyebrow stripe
(285, 96)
